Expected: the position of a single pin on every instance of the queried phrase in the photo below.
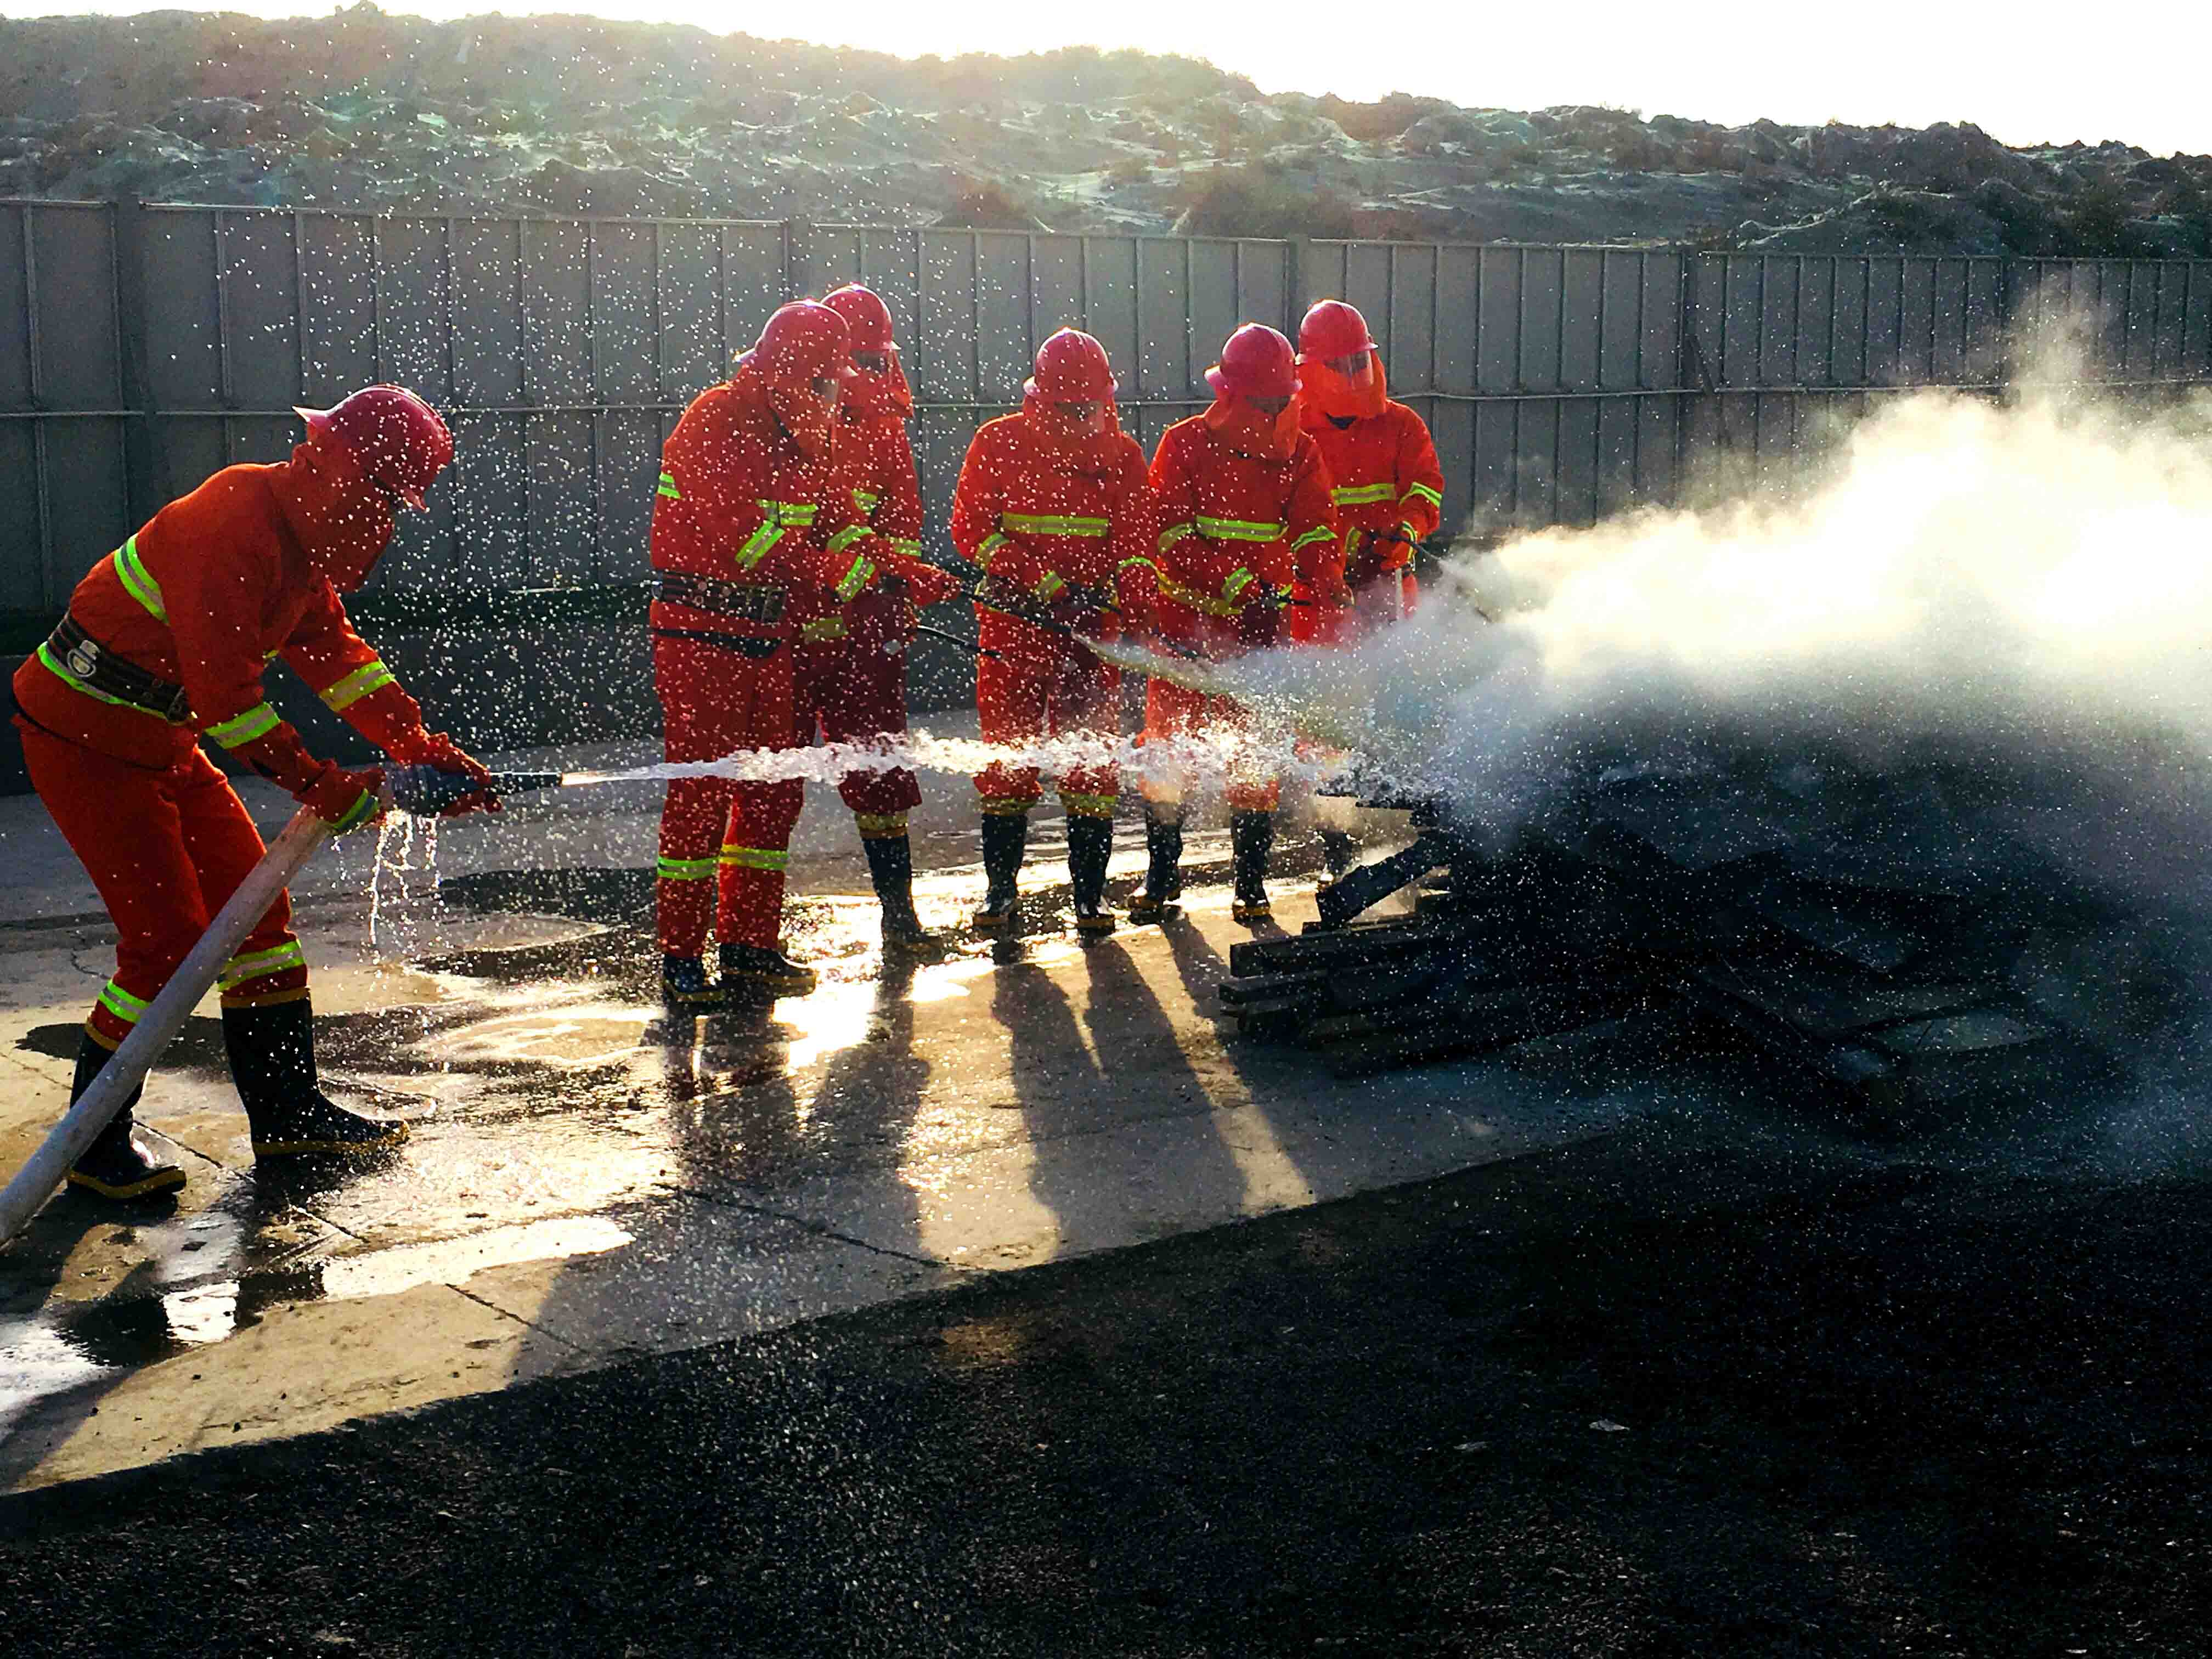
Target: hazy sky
(2026, 70)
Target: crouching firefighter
(164, 642)
(848, 665)
(1052, 502)
(1245, 515)
(753, 511)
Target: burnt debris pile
(1905, 938)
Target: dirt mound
(369, 111)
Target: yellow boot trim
(394, 1134)
(159, 1181)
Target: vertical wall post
(146, 449)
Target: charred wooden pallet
(1866, 937)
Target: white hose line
(164, 1018)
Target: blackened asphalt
(1657, 1393)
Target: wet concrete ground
(588, 1183)
(1679, 1361)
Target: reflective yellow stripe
(1363, 494)
(357, 813)
(791, 512)
(370, 676)
(120, 1003)
(1150, 564)
(823, 628)
(866, 501)
(1176, 533)
(1433, 498)
(755, 858)
(260, 964)
(1053, 524)
(138, 581)
(1089, 806)
(1318, 534)
(992, 543)
(911, 550)
(1051, 584)
(70, 680)
(1237, 530)
(757, 544)
(880, 826)
(239, 729)
(1235, 582)
(668, 487)
(686, 869)
(1197, 601)
(844, 538)
(861, 574)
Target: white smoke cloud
(2017, 599)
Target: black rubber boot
(1089, 845)
(118, 1164)
(1251, 838)
(1337, 851)
(1162, 863)
(1006, 835)
(890, 867)
(685, 988)
(272, 1062)
(751, 973)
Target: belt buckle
(82, 658)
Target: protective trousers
(166, 849)
(855, 690)
(1174, 713)
(715, 701)
(1043, 687)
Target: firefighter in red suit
(1384, 479)
(1242, 497)
(1383, 475)
(1052, 503)
(164, 641)
(754, 512)
(848, 665)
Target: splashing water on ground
(396, 837)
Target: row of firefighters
(789, 576)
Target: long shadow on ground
(1648, 1395)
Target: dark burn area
(1659, 1394)
(1916, 936)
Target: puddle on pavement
(70, 1343)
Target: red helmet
(1334, 329)
(803, 342)
(1257, 363)
(396, 440)
(867, 319)
(1072, 368)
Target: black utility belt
(95, 668)
(753, 602)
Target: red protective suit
(749, 516)
(1055, 511)
(1388, 493)
(849, 664)
(214, 585)
(1245, 515)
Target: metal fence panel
(1563, 385)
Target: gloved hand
(345, 800)
(1365, 562)
(420, 748)
(1259, 624)
(925, 585)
